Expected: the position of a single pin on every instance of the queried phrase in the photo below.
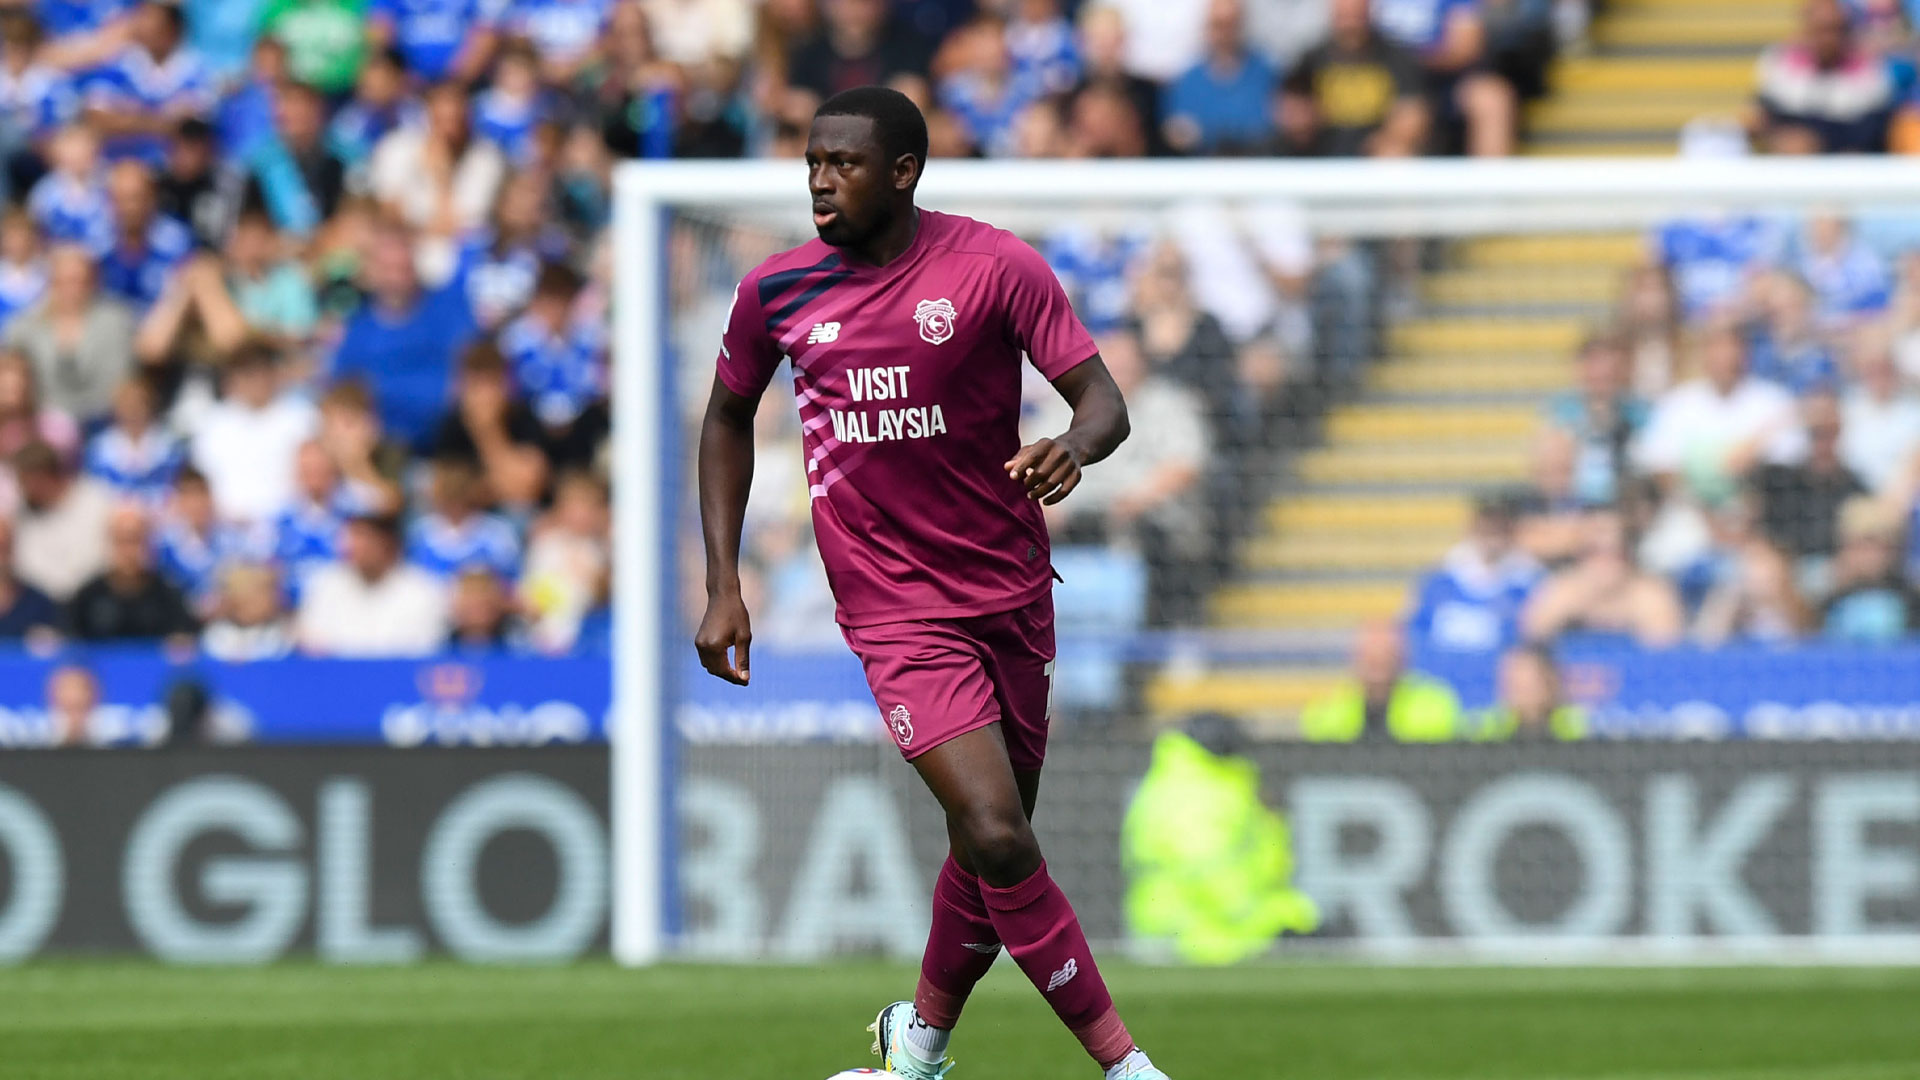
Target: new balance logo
(823, 332)
(1063, 976)
(989, 948)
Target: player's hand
(1049, 469)
(725, 626)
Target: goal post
(1426, 199)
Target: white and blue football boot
(890, 1042)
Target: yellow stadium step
(1612, 112)
(1402, 424)
(1610, 75)
(1241, 692)
(1554, 250)
(1735, 30)
(1602, 148)
(1538, 376)
(1477, 464)
(1626, 7)
(1348, 513)
(1482, 337)
(1571, 284)
(1308, 604)
(1375, 552)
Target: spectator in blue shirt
(459, 533)
(192, 546)
(23, 270)
(403, 340)
(155, 82)
(69, 204)
(565, 33)
(1223, 104)
(1710, 258)
(35, 98)
(558, 357)
(1041, 42)
(147, 244)
(294, 170)
(307, 533)
(499, 264)
(1850, 281)
(1450, 37)
(508, 111)
(134, 455)
(440, 39)
(222, 33)
(1472, 602)
(1785, 341)
(378, 105)
(983, 91)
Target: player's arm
(1050, 468)
(726, 475)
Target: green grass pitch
(132, 1021)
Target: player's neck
(892, 243)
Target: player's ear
(906, 172)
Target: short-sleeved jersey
(908, 381)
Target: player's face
(850, 179)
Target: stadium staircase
(1453, 405)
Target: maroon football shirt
(908, 380)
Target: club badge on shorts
(936, 320)
(901, 722)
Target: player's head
(864, 158)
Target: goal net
(1538, 531)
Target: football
(868, 1074)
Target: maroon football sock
(1044, 936)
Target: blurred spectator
(296, 175)
(23, 269)
(1850, 282)
(1381, 700)
(372, 604)
(252, 624)
(147, 244)
(197, 187)
(1356, 93)
(500, 262)
(129, 599)
(861, 44)
(513, 104)
(403, 339)
(135, 455)
(306, 535)
(568, 564)
(1785, 339)
(1706, 435)
(370, 463)
(1759, 602)
(557, 351)
(1551, 523)
(457, 531)
(1880, 418)
(1164, 37)
(271, 292)
(691, 32)
(439, 177)
(23, 419)
(1471, 602)
(1041, 42)
(439, 39)
(222, 33)
(1601, 417)
(35, 99)
(1709, 258)
(1648, 318)
(1103, 62)
(480, 613)
(245, 445)
(61, 527)
(26, 614)
(1530, 703)
(983, 90)
(325, 40)
(79, 341)
(244, 116)
(1522, 40)
(1800, 503)
(629, 91)
(1209, 866)
(1823, 93)
(73, 707)
(1450, 38)
(379, 104)
(1149, 494)
(1871, 601)
(1605, 593)
(69, 203)
(138, 99)
(492, 431)
(194, 546)
(1221, 104)
(1103, 123)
